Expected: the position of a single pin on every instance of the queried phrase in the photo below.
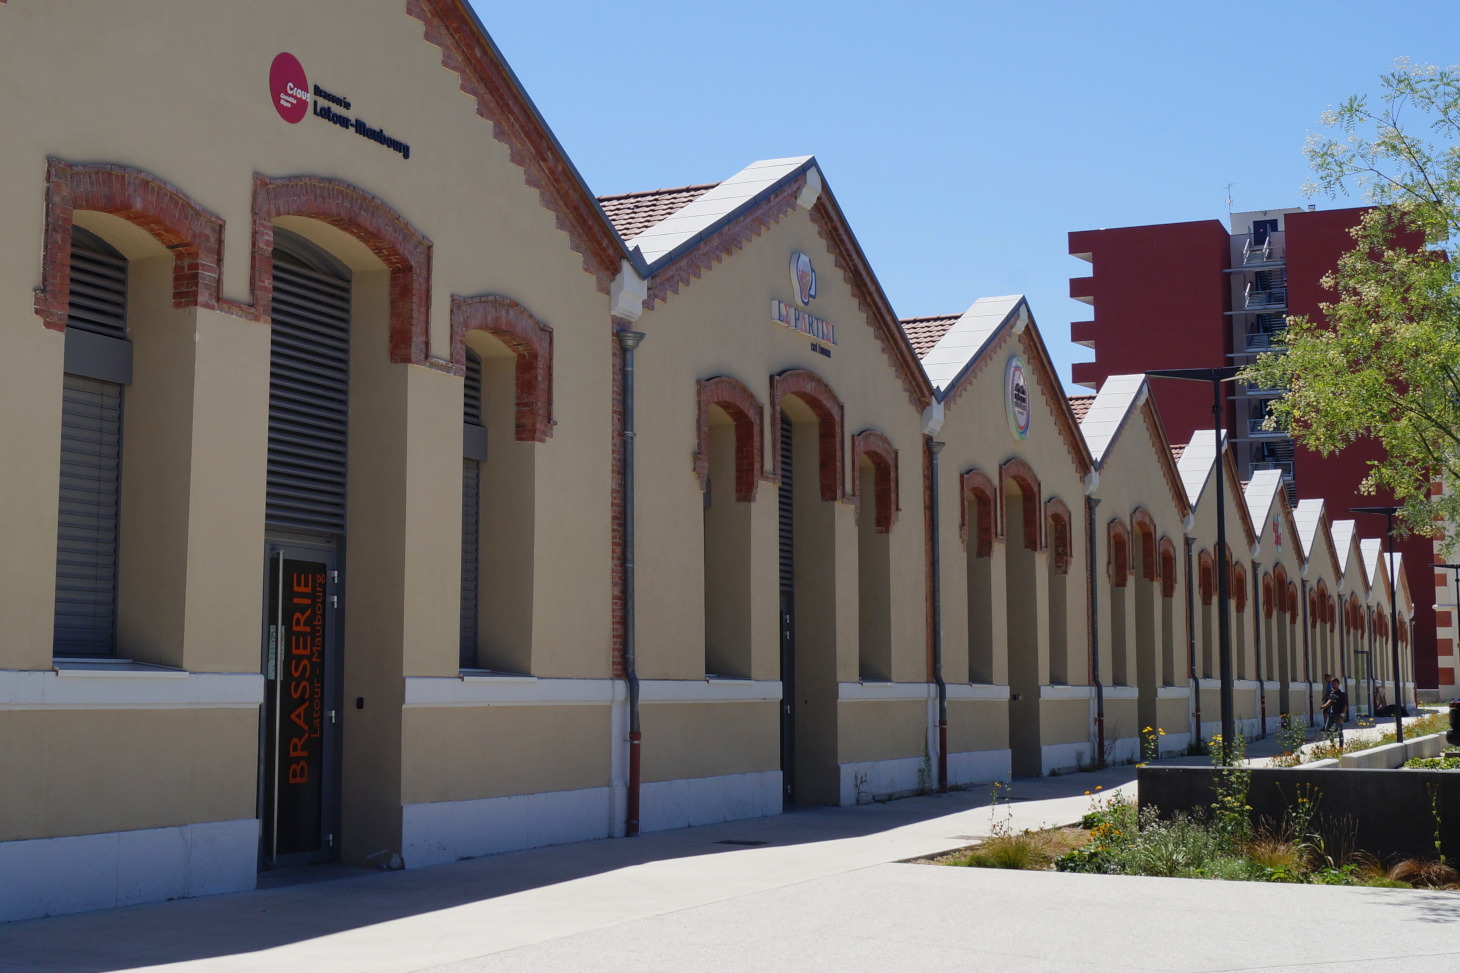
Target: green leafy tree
(1384, 362)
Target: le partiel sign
(293, 99)
(803, 284)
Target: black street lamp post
(1216, 376)
(1389, 513)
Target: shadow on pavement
(299, 908)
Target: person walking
(1335, 708)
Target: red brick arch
(1267, 605)
(1280, 586)
(1019, 472)
(1167, 559)
(1293, 603)
(403, 250)
(1205, 576)
(976, 485)
(530, 341)
(1060, 531)
(748, 417)
(1117, 565)
(812, 389)
(1145, 527)
(878, 450)
(194, 235)
(1239, 587)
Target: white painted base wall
(1063, 757)
(1174, 744)
(706, 800)
(979, 767)
(54, 876)
(447, 831)
(870, 780)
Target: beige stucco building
(373, 492)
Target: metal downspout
(1258, 619)
(1307, 652)
(934, 448)
(1090, 504)
(628, 341)
(1191, 641)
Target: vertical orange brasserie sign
(298, 692)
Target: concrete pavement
(809, 890)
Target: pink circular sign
(289, 88)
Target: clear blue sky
(965, 140)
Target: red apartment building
(1196, 295)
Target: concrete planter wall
(1385, 812)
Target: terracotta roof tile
(924, 333)
(633, 213)
(1080, 406)
(1177, 450)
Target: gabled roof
(1108, 416)
(665, 239)
(1176, 450)
(967, 345)
(685, 243)
(1080, 406)
(969, 336)
(1372, 550)
(469, 51)
(1344, 546)
(923, 333)
(1196, 466)
(1261, 493)
(1311, 519)
(633, 213)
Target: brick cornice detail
(1021, 473)
(465, 52)
(975, 484)
(403, 250)
(1163, 456)
(1060, 531)
(859, 279)
(529, 340)
(748, 417)
(878, 449)
(691, 265)
(1239, 587)
(194, 235)
(812, 389)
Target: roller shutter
(91, 459)
(471, 521)
(308, 391)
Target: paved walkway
(810, 890)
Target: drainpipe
(1091, 502)
(1258, 619)
(628, 341)
(1191, 641)
(1307, 658)
(934, 448)
(1370, 628)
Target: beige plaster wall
(72, 772)
(457, 753)
(688, 740)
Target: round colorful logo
(1016, 398)
(289, 88)
(803, 278)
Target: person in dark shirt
(1335, 708)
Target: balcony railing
(1275, 297)
(1254, 427)
(1285, 466)
(1264, 340)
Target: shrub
(1422, 874)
